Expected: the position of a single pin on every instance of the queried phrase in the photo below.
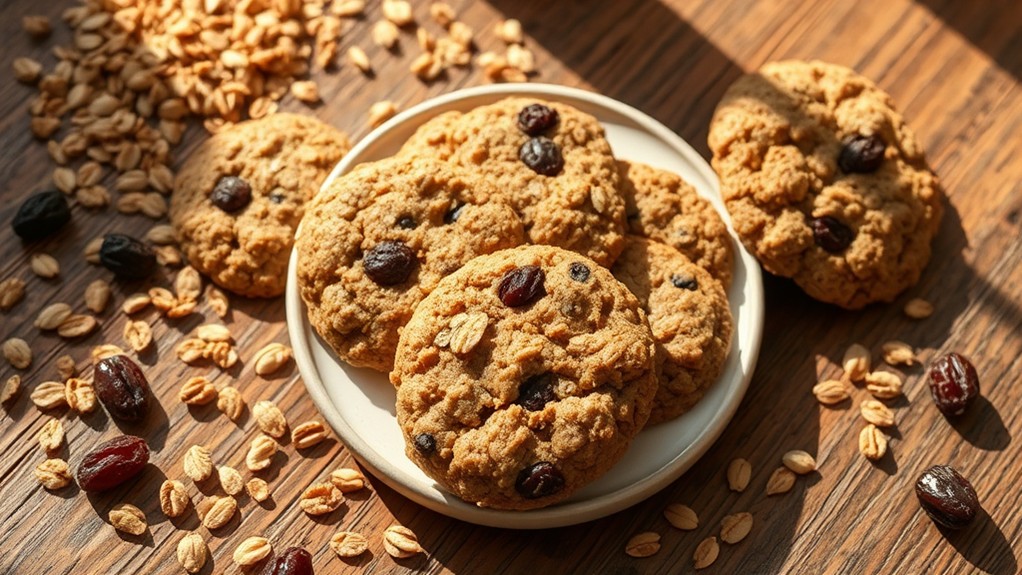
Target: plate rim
(567, 513)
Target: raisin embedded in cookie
(378, 239)
(524, 376)
(239, 197)
(690, 317)
(549, 161)
(663, 207)
(824, 181)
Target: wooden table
(953, 67)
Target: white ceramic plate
(359, 403)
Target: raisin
(407, 223)
(954, 384)
(389, 263)
(861, 154)
(41, 215)
(122, 387)
(539, 480)
(537, 391)
(685, 281)
(425, 443)
(112, 463)
(542, 155)
(231, 194)
(127, 257)
(453, 215)
(831, 235)
(579, 272)
(521, 286)
(947, 497)
(294, 561)
(535, 119)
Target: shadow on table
(995, 27)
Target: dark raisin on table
(127, 257)
(41, 215)
(954, 384)
(122, 388)
(112, 463)
(947, 496)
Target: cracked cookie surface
(441, 215)
(663, 207)
(689, 315)
(851, 224)
(581, 208)
(283, 159)
(518, 407)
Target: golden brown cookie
(690, 317)
(825, 182)
(663, 207)
(239, 197)
(379, 239)
(524, 376)
(549, 161)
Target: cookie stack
(536, 301)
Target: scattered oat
(49, 395)
(876, 413)
(27, 71)
(918, 308)
(97, 295)
(269, 418)
(799, 461)
(510, 31)
(872, 442)
(230, 403)
(739, 473)
(77, 325)
(12, 290)
(51, 436)
(53, 474)
(644, 544)
(271, 358)
(856, 362)
(174, 498)
(37, 26)
(522, 59)
(101, 352)
(188, 284)
(681, 516)
(128, 518)
(385, 34)
(138, 335)
(398, 11)
(218, 511)
(349, 544)
(135, 303)
(44, 266)
(899, 353)
(17, 353)
(197, 391)
(883, 384)
(66, 368)
(52, 316)
(252, 551)
(380, 112)
(162, 235)
(320, 499)
(830, 392)
(347, 8)
(230, 480)
(80, 395)
(10, 389)
(306, 91)
(442, 13)
(359, 59)
(706, 553)
(308, 434)
(197, 463)
(734, 528)
(192, 552)
(401, 542)
(347, 479)
(260, 453)
(781, 481)
(217, 300)
(257, 489)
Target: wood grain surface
(953, 68)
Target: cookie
(379, 239)
(239, 197)
(569, 197)
(825, 182)
(690, 318)
(524, 376)
(660, 205)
